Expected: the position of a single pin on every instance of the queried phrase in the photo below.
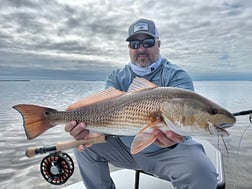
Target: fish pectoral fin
(155, 119)
(140, 84)
(97, 97)
(142, 141)
(152, 124)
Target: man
(172, 157)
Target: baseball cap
(142, 26)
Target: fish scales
(133, 110)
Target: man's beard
(142, 62)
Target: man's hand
(79, 131)
(167, 138)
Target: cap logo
(141, 27)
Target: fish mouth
(219, 130)
(224, 125)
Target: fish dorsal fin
(97, 97)
(139, 84)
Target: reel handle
(32, 151)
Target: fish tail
(36, 119)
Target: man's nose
(141, 48)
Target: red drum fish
(135, 113)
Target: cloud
(57, 36)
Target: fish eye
(46, 113)
(213, 111)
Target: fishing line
(225, 145)
(241, 113)
(238, 150)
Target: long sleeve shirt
(165, 75)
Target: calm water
(18, 171)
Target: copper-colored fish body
(124, 115)
(135, 113)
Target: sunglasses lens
(147, 43)
(134, 44)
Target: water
(18, 171)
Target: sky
(85, 39)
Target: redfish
(135, 113)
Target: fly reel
(57, 168)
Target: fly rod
(242, 113)
(32, 151)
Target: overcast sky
(85, 39)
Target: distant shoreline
(16, 80)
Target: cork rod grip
(32, 151)
(72, 144)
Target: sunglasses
(147, 43)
